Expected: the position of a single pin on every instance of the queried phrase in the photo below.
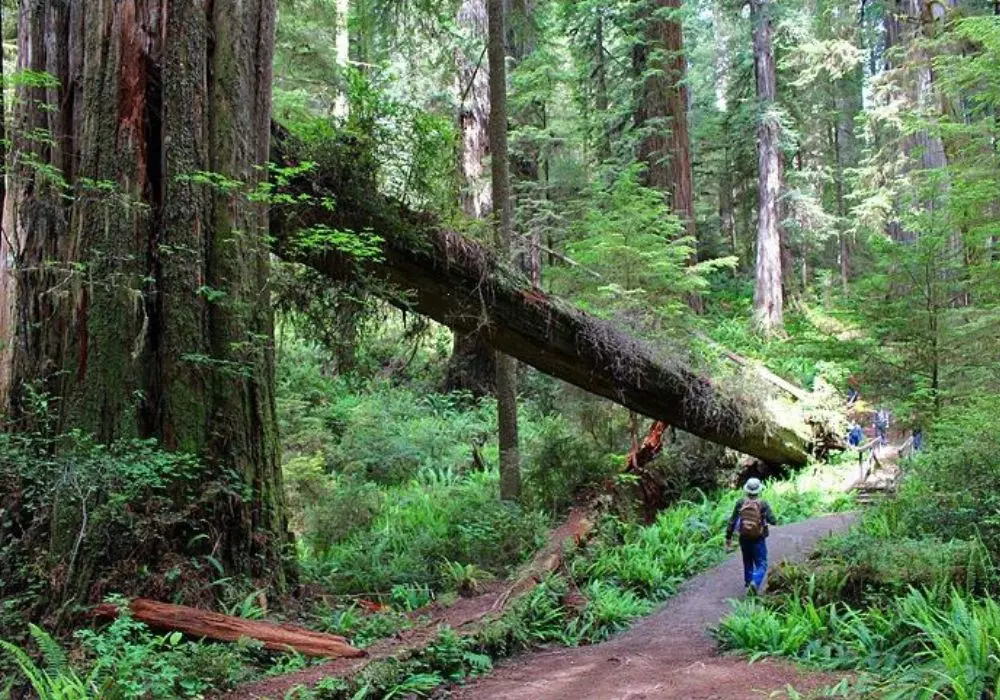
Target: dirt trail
(669, 654)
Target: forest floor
(670, 654)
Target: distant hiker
(852, 391)
(918, 438)
(751, 517)
(882, 424)
(855, 435)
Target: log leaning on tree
(461, 284)
(223, 628)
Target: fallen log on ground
(466, 617)
(198, 623)
(460, 283)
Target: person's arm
(768, 514)
(732, 521)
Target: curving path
(669, 654)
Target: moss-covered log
(460, 283)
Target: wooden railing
(869, 453)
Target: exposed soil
(669, 654)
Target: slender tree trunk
(471, 366)
(343, 55)
(601, 102)
(661, 111)
(726, 215)
(506, 376)
(847, 104)
(768, 302)
(142, 304)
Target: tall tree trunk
(768, 303)
(661, 110)
(726, 215)
(471, 366)
(601, 101)
(847, 105)
(506, 375)
(343, 56)
(907, 26)
(142, 301)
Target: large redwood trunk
(661, 107)
(471, 366)
(661, 111)
(768, 298)
(140, 303)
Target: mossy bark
(460, 283)
(140, 302)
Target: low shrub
(925, 645)
(859, 569)
(420, 526)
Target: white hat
(753, 487)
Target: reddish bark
(662, 108)
(651, 446)
(224, 628)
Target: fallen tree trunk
(461, 284)
(762, 371)
(210, 625)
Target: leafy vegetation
(907, 597)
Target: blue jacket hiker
(750, 521)
(855, 435)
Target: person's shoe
(751, 590)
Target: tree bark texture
(661, 107)
(506, 368)
(768, 302)
(204, 624)
(140, 303)
(463, 285)
(471, 366)
(908, 23)
(661, 112)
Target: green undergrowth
(821, 339)
(623, 574)
(905, 600)
(126, 660)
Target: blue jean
(754, 560)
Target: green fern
(55, 658)
(59, 682)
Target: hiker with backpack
(750, 521)
(882, 425)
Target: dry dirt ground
(669, 654)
